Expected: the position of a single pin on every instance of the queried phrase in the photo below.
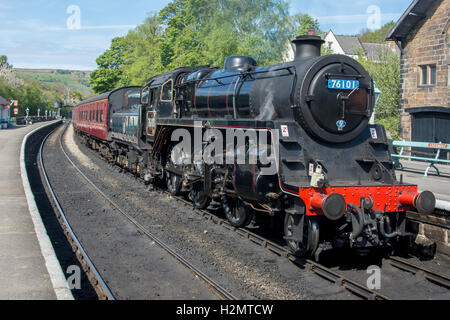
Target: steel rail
(430, 275)
(91, 270)
(217, 287)
(324, 272)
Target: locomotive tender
(333, 183)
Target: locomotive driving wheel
(198, 196)
(302, 244)
(237, 213)
(173, 180)
(197, 193)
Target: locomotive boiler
(330, 176)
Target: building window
(428, 74)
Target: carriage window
(166, 93)
(101, 116)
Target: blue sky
(34, 33)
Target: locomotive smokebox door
(346, 89)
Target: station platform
(28, 264)
(413, 172)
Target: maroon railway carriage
(90, 116)
(103, 117)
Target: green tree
(143, 59)
(377, 36)
(303, 22)
(4, 61)
(108, 74)
(33, 97)
(386, 74)
(205, 32)
(195, 32)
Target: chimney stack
(307, 46)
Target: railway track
(345, 282)
(434, 277)
(437, 220)
(91, 271)
(281, 251)
(337, 278)
(217, 288)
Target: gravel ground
(440, 263)
(245, 269)
(395, 283)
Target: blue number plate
(343, 84)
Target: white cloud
(106, 27)
(354, 18)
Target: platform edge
(52, 264)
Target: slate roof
(3, 102)
(413, 15)
(350, 44)
(103, 96)
(373, 50)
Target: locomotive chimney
(307, 47)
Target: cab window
(167, 91)
(152, 97)
(145, 95)
(133, 99)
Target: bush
(386, 74)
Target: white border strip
(57, 277)
(442, 205)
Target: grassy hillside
(60, 80)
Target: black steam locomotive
(290, 140)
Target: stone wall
(428, 43)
